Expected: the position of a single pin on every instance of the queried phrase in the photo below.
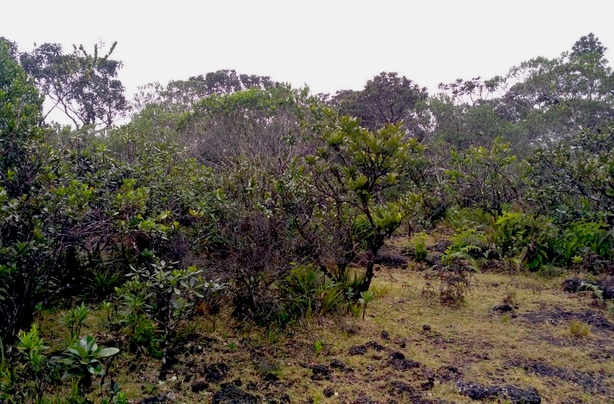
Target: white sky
(327, 44)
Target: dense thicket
(230, 191)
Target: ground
(516, 338)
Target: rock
(477, 392)
(233, 395)
(399, 387)
(320, 372)
(447, 373)
(572, 285)
(503, 308)
(270, 377)
(513, 394)
(385, 335)
(375, 346)
(329, 392)
(607, 286)
(398, 362)
(200, 385)
(358, 350)
(216, 372)
(337, 364)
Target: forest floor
(516, 338)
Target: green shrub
(74, 318)
(420, 250)
(528, 237)
(307, 292)
(580, 237)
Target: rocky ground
(515, 339)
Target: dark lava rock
(520, 396)
(328, 392)
(426, 327)
(200, 385)
(216, 372)
(447, 373)
(233, 395)
(607, 285)
(375, 346)
(503, 308)
(385, 335)
(400, 388)
(511, 393)
(397, 355)
(428, 385)
(398, 362)
(337, 364)
(237, 382)
(320, 372)
(270, 377)
(572, 285)
(251, 386)
(358, 350)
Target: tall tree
(84, 86)
(387, 99)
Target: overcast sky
(326, 44)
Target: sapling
(365, 298)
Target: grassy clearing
(555, 342)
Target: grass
(485, 346)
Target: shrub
(307, 292)
(531, 238)
(420, 246)
(581, 237)
(578, 328)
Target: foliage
(83, 86)
(29, 375)
(528, 237)
(82, 360)
(485, 177)
(308, 293)
(419, 240)
(387, 99)
(25, 258)
(74, 319)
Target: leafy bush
(419, 240)
(580, 237)
(82, 360)
(307, 292)
(531, 238)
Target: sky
(327, 44)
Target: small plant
(579, 328)
(420, 246)
(83, 360)
(365, 299)
(318, 346)
(74, 318)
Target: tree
(387, 99)
(22, 248)
(555, 98)
(83, 86)
(367, 176)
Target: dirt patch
(558, 316)
(588, 381)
